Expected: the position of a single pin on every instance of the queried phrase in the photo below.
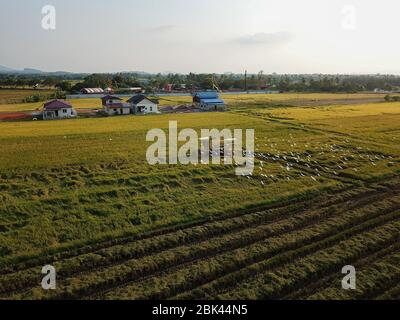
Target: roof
(57, 105)
(207, 95)
(212, 101)
(93, 90)
(139, 98)
(110, 97)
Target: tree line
(189, 82)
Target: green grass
(16, 96)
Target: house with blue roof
(209, 101)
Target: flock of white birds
(312, 160)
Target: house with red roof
(113, 105)
(58, 109)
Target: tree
(97, 81)
(64, 86)
(50, 81)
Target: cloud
(264, 39)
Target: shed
(209, 101)
(92, 91)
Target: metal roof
(212, 101)
(93, 90)
(207, 95)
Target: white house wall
(61, 115)
(147, 105)
(116, 111)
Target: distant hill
(141, 73)
(6, 69)
(31, 71)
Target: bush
(38, 97)
(390, 98)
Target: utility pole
(245, 81)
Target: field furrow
(137, 249)
(321, 198)
(248, 255)
(116, 255)
(273, 284)
(325, 281)
(230, 241)
(241, 276)
(376, 280)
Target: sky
(201, 36)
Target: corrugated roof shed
(208, 98)
(92, 90)
(212, 101)
(207, 95)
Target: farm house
(58, 109)
(112, 106)
(140, 104)
(209, 101)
